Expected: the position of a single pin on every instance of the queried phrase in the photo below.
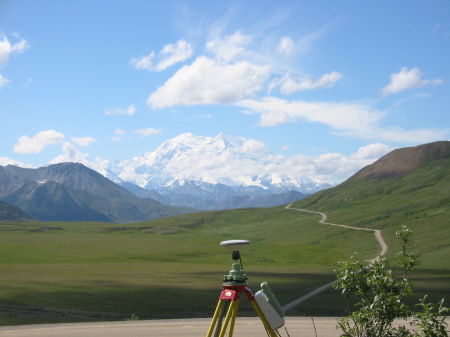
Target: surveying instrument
(235, 284)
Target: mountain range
(73, 192)
(208, 173)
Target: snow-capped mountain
(200, 172)
(225, 160)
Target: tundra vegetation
(173, 267)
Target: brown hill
(401, 162)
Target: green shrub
(379, 295)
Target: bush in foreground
(379, 297)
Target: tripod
(235, 284)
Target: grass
(173, 267)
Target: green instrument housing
(235, 277)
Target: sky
(333, 81)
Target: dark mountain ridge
(205, 196)
(73, 192)
(13, 213)
(68, 174)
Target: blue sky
(318, 79)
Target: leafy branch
(379, 297)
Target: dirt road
(378, 236)
(245, 327)
(377, 232)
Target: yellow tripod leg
(214, 319)
(263, 319)
(233, 319)
(231, 314)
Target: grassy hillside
(419, 200)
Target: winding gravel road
(377, 232)
(378, 236)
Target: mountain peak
(224, 159)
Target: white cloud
(251, 145)
(118, 135)
(174, 53)
(335, 166)
(27, 83)
(168, 56)
(346, 119)
(130, 110)
(286, 45)
(288, 85)
(372, 152)
(148, 132)
(207, 81)
(398, 134)
(407, 79)
(228, 48)
(39, 142)
(83, 141)
(144, 62)
(72, 154)
(340, 116)
(5, 161)
(3, 81)
(6, 49)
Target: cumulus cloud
(130, 110)
(286, 45)
(229, 47)
(169, 55)
(372, 152)
(251, 145)
(149, 132)
(334, 166)
(275, 111)
(72, 154)
(288, 85)
(39, 142)
(346, 119)
(407, 79)
(3, 81)
(83, 141)
(208, 81)
(7, 49)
